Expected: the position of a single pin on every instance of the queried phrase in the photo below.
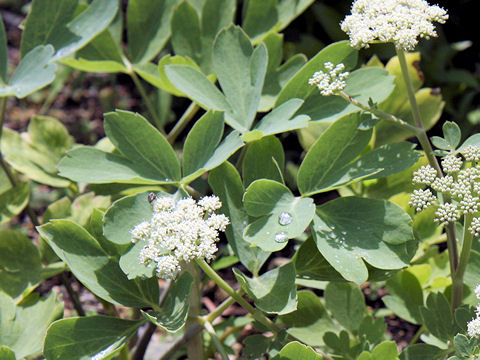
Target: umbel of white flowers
(179, 232)
(461, 183)
(330, 81)
(400, 22)
(473, 327)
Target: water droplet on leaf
(281, 237)
(285, 218)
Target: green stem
(77, 304)
(221, 308)
(143, 94)
(417, 335)
(215, 340)
(258, 315)
(457, 286)
(195, 345)
(380, 114)
(427, 148)
(183, 122)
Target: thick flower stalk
(179, 232)
(401, 22)
(473, 327)
(461, 185)
(330, 81)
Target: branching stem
(183, 122)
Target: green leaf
(278, 74)
(280, 119)
(385, 350)
(88, 337)
(406, 297)
(347, 230)
(142, 144)
(371, 84)
(274, 292)
(311, 265)
(227, 185)
(194, 84)
(295, 350)
(346, 303)
(3, 54)
(46, 23)
(33, 73)
(174, 312)
(187, 32)
(465, 346)
(68, 33)
(282, 216)
(123, 215)
(326, 164)
(339, 343)
(102, 54)
(372, 330)
(256, 346)
(7, 354)
(23, 328)
(309, 321)
(201, 151)
(35, 158)
(149, 158)
(13, 201)
(264, 159)
(93, 267)
(148, 27)
(242, 87)
(437, 317)
(20, 263)
(298, 87)
(452, 134)
(423, 352)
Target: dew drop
(281, 237)
(332, 235)
(344, 233)
(332, 227)
(285, 218)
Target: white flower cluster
(461, 185)
(473, 327)
(330, 81)
(179, 231)
(401, 22)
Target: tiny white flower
(443, 184)
(451, 164)
(447, 213)
(474, 228)
(179, 231)
(472, 153)
(421, 199)
(331, 81)
(473, 328)
(401, 22)
(425, 175)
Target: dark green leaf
(148, 27)
(88, 337)
(33, 73)
(256, 346)
(423, 352)
(347, 230)
(282, 216)
(142, 144)
(201, 151)
(242, 87)
(273, 292)
(3, 53)
(23, 327)
(20, 263)
(465, 346)
(437, 317)
(452, 134)
(100, 273)
(280, 120)
(13, 201)
(295, 351)
(174, 312)
(186, 32)
(264, 159)
(346, 303)
(227, 185)
(309, 321)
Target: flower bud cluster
(461, 185)
(330, 81)
(179, 231)
(401, 22)
(473, 327)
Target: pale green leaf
(13, 201)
